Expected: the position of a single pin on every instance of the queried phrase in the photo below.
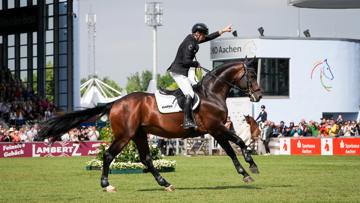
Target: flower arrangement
(129, 159)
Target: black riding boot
(188, 114)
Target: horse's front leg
(224, 143)
(231, 136)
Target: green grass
(197, 179)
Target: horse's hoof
(248, 179)
(254, 170)
(170, 188)
(109, 188)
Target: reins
(225, 81)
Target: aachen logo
(225, 50)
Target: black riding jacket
(186, 54)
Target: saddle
(171, 101)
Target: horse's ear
(248, 62)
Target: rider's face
(199, 36)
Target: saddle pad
(169, 104)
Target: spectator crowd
(21, 110)
(324, 128)
(19, 104)
(29, 133)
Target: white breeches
(184, 84)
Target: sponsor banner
(285, 146)
(326, 146)
(42, 149)
(306, 146)
(13, 150)
(346, 146)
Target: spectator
(324, 130)
(275, 132)
(333, 128)
(265, 136)
(282, 129)
(339, 119)
(314, 128)
(93, 134)
(303, 126)
(32, 133)
(296, 131)
(229, 124)
(14, 134)
(346, 129)
(65, 137)
(290, 131)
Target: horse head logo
(325, 73)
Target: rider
(183, 67)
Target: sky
(124, 41)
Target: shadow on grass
(247, 187)
(207, 188)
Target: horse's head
(254, 128)
(247, 81)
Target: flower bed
(162, 165)
(128, 161)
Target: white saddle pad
(169, 104)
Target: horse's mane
(209, 76)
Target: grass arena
(197, 179)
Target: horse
(249, 131)
(135, 115)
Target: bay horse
(135, 115)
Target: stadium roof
(326, 4)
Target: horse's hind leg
(109, 155)
(230, 152)
(142, 144)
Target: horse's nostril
(260, 97)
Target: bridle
(248, 89)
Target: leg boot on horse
(189, 121)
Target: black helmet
(263, 106)
(200, 27)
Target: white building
(306, 78)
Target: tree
(49, 81)
(138, 83)
(167, 82)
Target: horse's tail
(57, 126)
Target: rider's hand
(226, 29)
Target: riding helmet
(263, 106)
(200, 27)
